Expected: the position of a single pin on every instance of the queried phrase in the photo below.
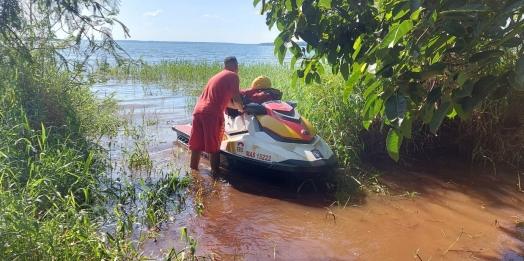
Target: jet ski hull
(244, 151)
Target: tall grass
(55, 196)
(48, 166)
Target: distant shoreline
(153, 41)
(182, 42)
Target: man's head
(231, 64)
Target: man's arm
(236, 103)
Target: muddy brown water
(446, 211)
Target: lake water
(153, 52)
(443, 212)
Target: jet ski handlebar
(255, 109)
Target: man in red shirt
(207, 130)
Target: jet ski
(271, 136)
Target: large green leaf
(406, 125)
(438, 117)
(453, 28)
(512, 43)
(512, 6)
(396, 107)
(325, 3)
(481, 89)
(415, 15)
(396, 33)
(473, 8)
(519, 70)
(428, 74)
(351, 82)
(457, 108)
(440, 66)
(429, 105)
(493, 32)
(344, 70)
(508, 37)
(501, 92)
(433, 70)
(279, 41)
(437, 44)
(282, 53)
(414, 5)
(464, 91)
(462, 78)
(369, 111)
(433, 96)
(357, 46)
(294, 79)
(480, 56)
(512, 78)
(393, 142)
(309, 37)
(289, 4)
(369, 104)
(370, 89)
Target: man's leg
(196, 141)
(214, 160)
(195, 159)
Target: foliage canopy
(27, 26)
(418, 60)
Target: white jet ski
(271, 136)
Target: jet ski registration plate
(317, 154)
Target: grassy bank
(57, 201)
(49, 168)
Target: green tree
(47, 50)
(419, 60)
(30, 25)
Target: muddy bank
(442, 212)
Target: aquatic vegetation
(140, 157)
(188, 253)
(167, 191)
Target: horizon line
(180, 41)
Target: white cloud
(211, 16)
(152, 14)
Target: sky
(230, 21)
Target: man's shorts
(207, 132)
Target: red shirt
(218, 93)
